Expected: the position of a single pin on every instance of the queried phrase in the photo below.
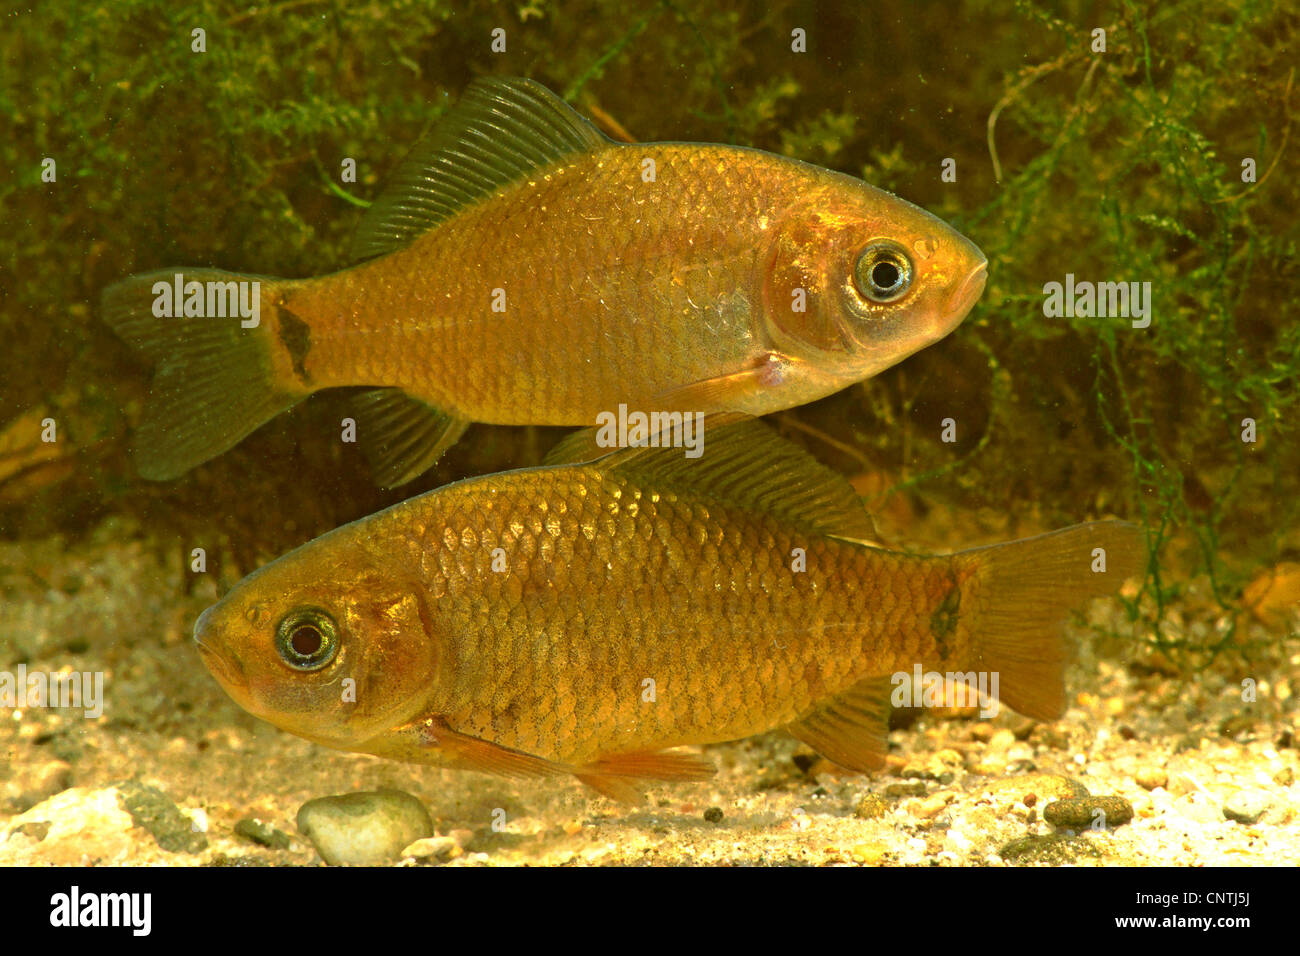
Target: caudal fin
(1022, 592)
(214, 378)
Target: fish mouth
(202, 629)
(966, 294)
(220, 666)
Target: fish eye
(306, 639)
(883, 272)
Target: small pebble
(36, 831)
(82, 827)
(30, 785)
(869, 854)
(1001, 740)
(1039, 784)
(1237, 725)
(1051, 737)
(949, 757)
(871, 807)
(1079, 813)
(1197, 807)
(1024, 728)
(439, 848)
(153, 810)
(933, 806)
(1053, 848)
(914, 789)
(262, 833)
(365, 828)
(713, 814)
(1247, 806)
(1148, 778)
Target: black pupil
(306, 641)
(885, 275)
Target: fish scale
(548, 597)
(577, 286)
(522, 269)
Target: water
(1153, 161)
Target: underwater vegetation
(1164, 159)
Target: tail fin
(214, 378)
(1022, 593)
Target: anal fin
(576, 447)
(403, 436)
(850, 728)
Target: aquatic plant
(1122, 165)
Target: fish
(591, 617)
(521, 268)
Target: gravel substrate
(1144, 768)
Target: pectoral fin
(624, 777)
(734, 392)
(431, 740)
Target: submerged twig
(1281, 147)
(820, 435)
(1035, 73)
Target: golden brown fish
(521, 268)
(585, 617)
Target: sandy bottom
(958, 791)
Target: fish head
(327, 642)
(858, 279)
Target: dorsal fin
(501, 130)
(744, 463)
